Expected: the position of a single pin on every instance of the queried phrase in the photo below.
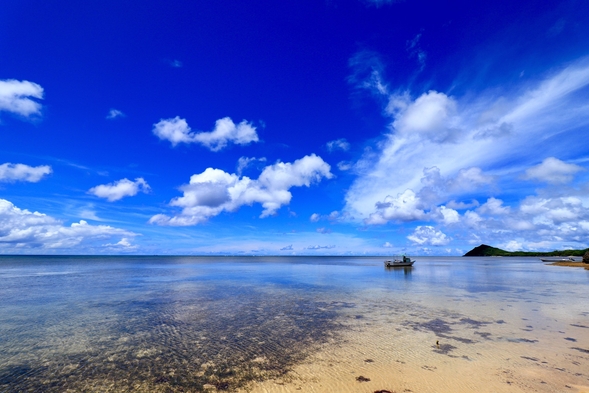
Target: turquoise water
(186, 323)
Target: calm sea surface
(192, 323)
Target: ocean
(196, 324)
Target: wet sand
(570, 264)
(461, 348)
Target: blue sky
(294, 127)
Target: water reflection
(405, 271)
(191, 324)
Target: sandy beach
(393, 348)
(570, 264)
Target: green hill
(487, 251)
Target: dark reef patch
(183, 341)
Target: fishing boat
(406, 261)
(558, 259)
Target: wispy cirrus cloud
(18, 97)
(213, 191)
(120, 189)
(176, 131)
(414, 49)
(20, 172)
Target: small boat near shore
(559, 259)
(406, 261)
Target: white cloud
(513, 245)
(20, 172)
(473, 140)
(214, 191)
(14, 97)
(338, 144)
(450, 216)
(177, 131)
(334, 216)
(314, 217)
(120, 189)
(493, 207)
(245, 162)
(432, 116)
(21, 229)
(404, 207)
(321, 247)
(324, 230)
(552, 170)
(114, 113)
(344, 165)
(387, 245)
(428, 235)
(287, 248)
(462, 205)
(123, 244)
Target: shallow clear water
(193, 323)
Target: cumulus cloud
(472, 140)
(214, 191)
(114, 113)
(314, 217)
(404, 207)
(428, 235)
(432, 116)
(120, 189)
(287, 248)
(338, 144)
(21, 229)
(449, 216)
(16, 97)
(177, 131)
(20, 172)
(123, 244)
(411, 206)
(320, 247)
(324, 230)
(552, 170)
(493, 207)
(387, 245)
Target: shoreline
(420, 347)
(570, 264)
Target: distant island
(487, 251)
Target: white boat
(406, 261)
(558, 259)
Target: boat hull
(558, 260)
(398, 264)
